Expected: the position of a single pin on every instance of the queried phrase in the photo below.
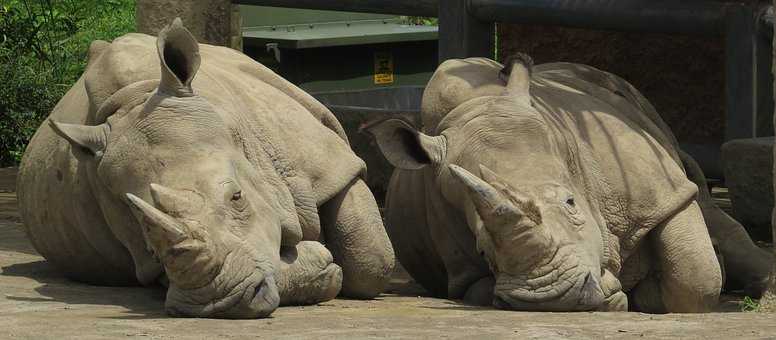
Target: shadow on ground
(141, 302)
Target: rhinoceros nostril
(590, 293)
(264, 290)
(260, 288)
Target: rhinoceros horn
(507, 216)
(501, 208)
(496, 211)
(162, 230)
(188, 259)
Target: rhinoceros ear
(92, 139)
(405, 147)
(180, 59)
(517, 74)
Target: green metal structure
(325, 51)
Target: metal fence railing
(466, 29)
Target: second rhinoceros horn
(176, 202)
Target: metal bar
(461, 35)
(767, 20)
(741, 74)
(425, 8)
(695, 17)
(763, 44)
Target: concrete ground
(37, 302)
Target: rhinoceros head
(494, 159)
(207, 213)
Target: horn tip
(457, 170)
(132, 198)
(487, 174)
(464, 176)
(135, 203)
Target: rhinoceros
(554, 187)
(195, 167)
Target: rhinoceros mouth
(244, 288)
(580, 293)
(252, 298)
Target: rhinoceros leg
(355, 235)
(307, 275)
(407, 225)
(747, 266)
(689, 274)
(646, 296)
(481, 292)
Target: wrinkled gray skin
(200, 169)
(554, 188)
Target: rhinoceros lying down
(218, 180)
(554, 188)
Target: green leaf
(750, 305)
(42, 53)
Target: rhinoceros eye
(237, 196)
(238, 201)
(571, 205)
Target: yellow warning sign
(383, 68)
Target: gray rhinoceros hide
(193, 165)
(555, 187)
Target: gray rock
(214, 22)
(748, 166)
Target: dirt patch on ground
(37, 302)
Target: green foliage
(750, 305)
(43, 48)
(422, 21)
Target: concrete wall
(215, 22)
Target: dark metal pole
(700, 17)
(461, 35)
(425, 8)
(764, 64)
(767, 20)
(740, 71)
